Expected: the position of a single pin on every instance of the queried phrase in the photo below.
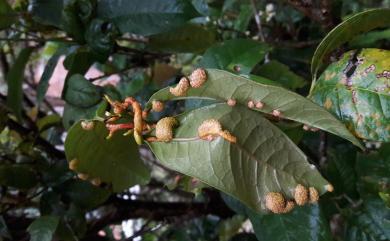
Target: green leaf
(345, 31)
(73, 114)
(15, 82)
(82, 93)
(370, 39)
(146, 17)
(263, 159)
(238, 55)
(356, 90)
(222, 86)
(17, 176)
(84, 194)
(114, 161)
(374, 170)
(43, 228)
(303, 223)
(7, 15)
(281, 73)
(47, 12)
(371, 222)
(187, 39)
(48, 121)
(47, 73)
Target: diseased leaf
(345, 31)
(187, 39)
(15, 82)
(43, 228)
(356, 89)
(263, 160)
(146, 17)
(82, 93)
(222, 86)
(281, 73)
(238, 55)
(115, 161)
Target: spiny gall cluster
(197, 78)
(302, 195)
(181, 88)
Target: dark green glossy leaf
(47, 73)
(73, 114)
(345, 31)
(43, 228)
(281, 73)
(374, 170)
(82, 93)
(15, 82)
(48, 12)
(17, 176)
(187, 39)
(100, 36)
(370, 39)
(356, 90)
(146, 17)
(114, 161)
(370, 223)
(303, 223)
(238, 55)
(263, 160)
(7, 15)
(84, 194)
(78, 61)
(222, 86)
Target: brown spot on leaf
(328, 103)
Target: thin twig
(258, 21)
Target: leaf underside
(263, 160)
(222, 85)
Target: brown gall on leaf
(83, 176)
(181, 88)
(96, 181)
(212, 127)
(251, 104)
(301, 195)
(157, 106)
(329, 188)
(276, 113)
(164, 129)
(73, 164)
(197, 78)
(259, 105)
(87, 125)
(231, 102)
(276, 203)
(313, 195)
(306, 127)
